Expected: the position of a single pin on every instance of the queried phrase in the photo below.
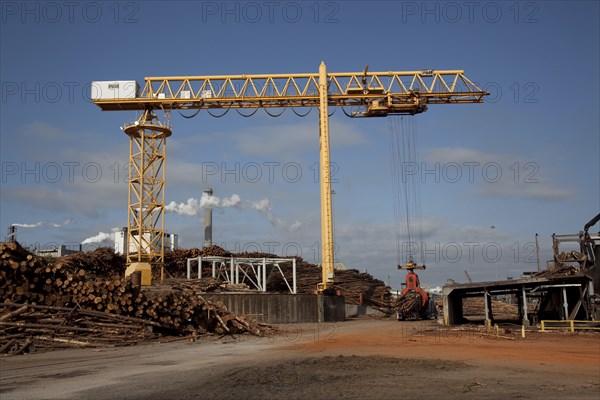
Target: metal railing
(569, 325)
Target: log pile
(408, 303)
(32, 283)
(102, 262)
(560, 272)
(357, 287)
(474, 307)
(25, 278)
(204, 285)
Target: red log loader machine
(413, 302)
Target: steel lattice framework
(405, 92)
(360, 94)
(147, 173)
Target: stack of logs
(58, 295)
(408, 302)
(357, 287)
(560, 272)
(475, 307)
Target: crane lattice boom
(392, 92)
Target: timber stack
(42, 298)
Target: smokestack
(12, 233)
(208, 222)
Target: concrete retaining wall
(354, 310)
(283, 308)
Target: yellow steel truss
(147, 172)
(359, 94)
(398, 92)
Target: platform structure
(255, 272)
(563, 298)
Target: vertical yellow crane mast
(365, 94)
(327, 260)
(147, 173)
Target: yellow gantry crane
(359, 94)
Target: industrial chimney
(208, 222)
(12, 233)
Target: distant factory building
(57, 251)
(171, 241)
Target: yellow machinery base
(145, 269)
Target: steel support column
(565, 303)
(325, 181)
(525, 319)
(264, 274)
(487, 301)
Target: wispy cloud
(278, 140)
(492, 174)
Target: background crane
(468, 276)
(359, 94)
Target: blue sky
(64, 160)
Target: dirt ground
(356, 359)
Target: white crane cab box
(110, 90)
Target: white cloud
(538, 190)
(292, 139)
(492, 175)
(447, 155)
(42, 131)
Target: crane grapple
(412, 302)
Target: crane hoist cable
(302, 115)
(275, 115)
(247, 115)
(189, 116)
(352, 114)
(218, 116)
(403, 147)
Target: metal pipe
(591, 222)
(294, 275)
(264, 275)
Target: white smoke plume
(264, 206)
(66, 222)
(193, 207)
(43, 223)
(101, 237)
(29, 226)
